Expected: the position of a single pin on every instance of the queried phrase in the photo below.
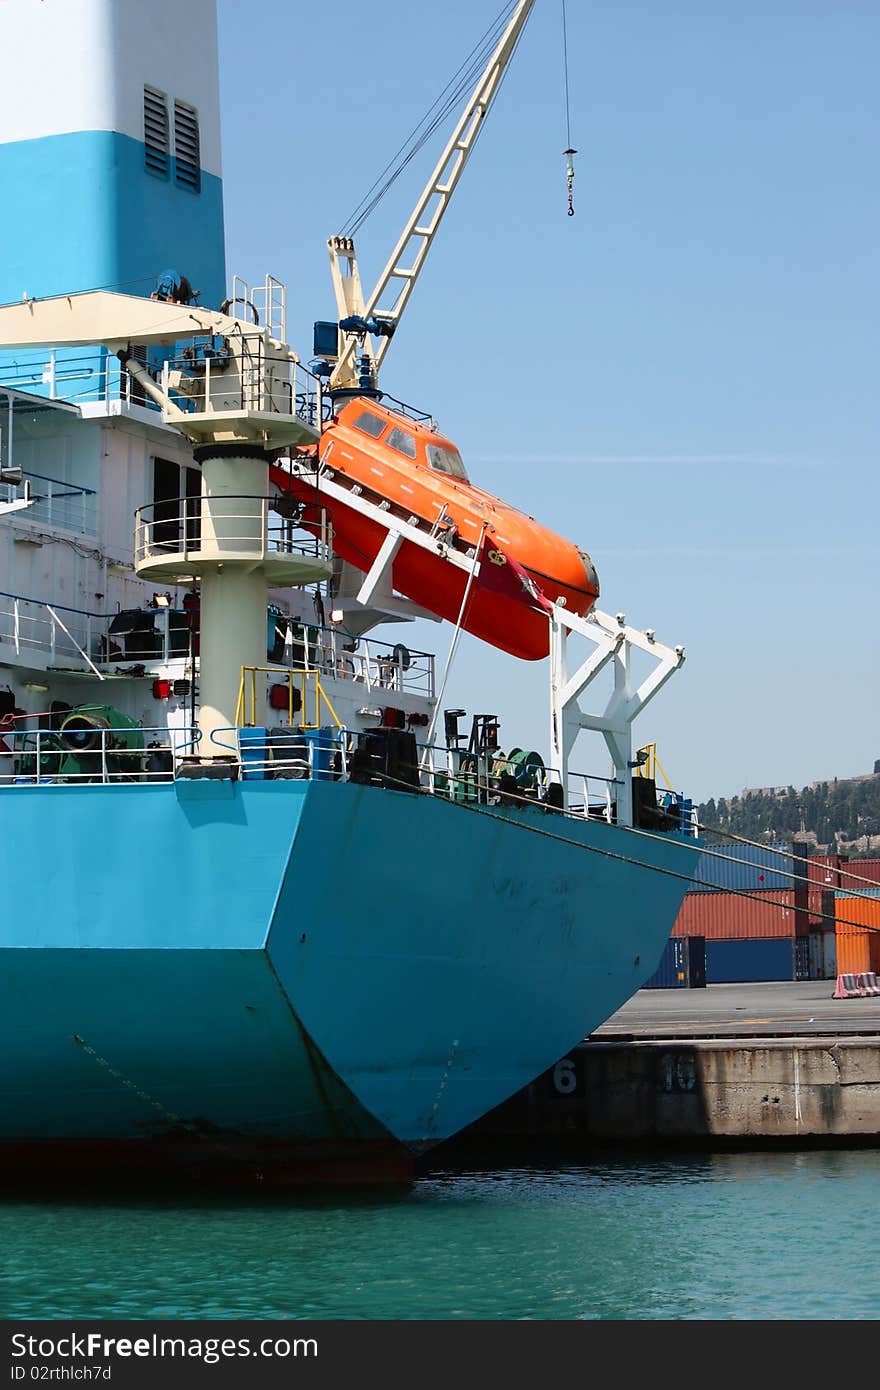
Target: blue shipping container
(749, 868)
(682, 965)
(759, 958)
(672, 972)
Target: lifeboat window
(447, 461)
(370, 424)
(404, 443)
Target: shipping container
(823, 870)
(682, 965)
(815, 910)
(735, 962)
(858, 932)
(729, 917)
(823, 955)
(860, 868)
(748, 868)
(672, 972)
(696, 961)
(854, 952)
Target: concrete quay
(729, 1065)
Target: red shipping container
(815, 921)
(730, 917)
(860, 868)
(822, 870)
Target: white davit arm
(421, 228)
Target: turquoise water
(786, 1235)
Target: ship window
(187, 152)
(156, 132)
(404, 443)
(370, 424)
(446, 460)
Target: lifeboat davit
(410, 467)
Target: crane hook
(569, 178)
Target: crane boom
(422, 224)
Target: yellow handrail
(248, 687)
(651, 764)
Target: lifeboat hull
(510, 620)
(425, 577)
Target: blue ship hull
(310, 975)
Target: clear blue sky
(681, 378)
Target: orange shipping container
(730, 917)
(858, 947)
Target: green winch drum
(526, 766)
(86, 728)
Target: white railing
(299, 755)
(592, 796)
(233, 526)
(57, 503)
(28, 626)
(381, 668)
(256, 378)
(75, 378)
(50, 757)
(465, 776)
(91, 753)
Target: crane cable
(569, 153)
(457, 87)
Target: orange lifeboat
(410, 467)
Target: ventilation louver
(187, 154)
(156, 144)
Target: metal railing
(493, 777)
(301, 686)
(75, 378)
(52, 757)
(57, 503)
(378, 666)
(148, 636)
(303, 751)
(592, 796)
(294, 754)
(29, 626)
(263, 380)
(410, 412)
(254, 378)
(231, 526)
(267, 303)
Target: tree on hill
(832, 812)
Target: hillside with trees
(838, 816)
